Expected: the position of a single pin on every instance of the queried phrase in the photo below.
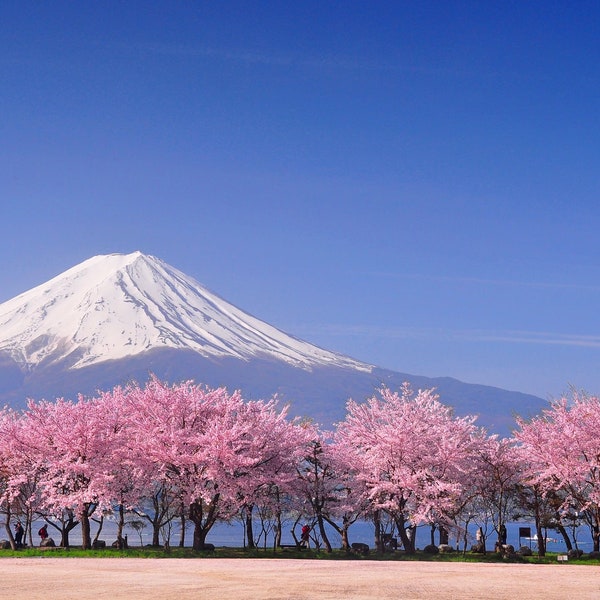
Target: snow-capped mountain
(117, 318)
(121, 305)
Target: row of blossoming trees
(400, 459)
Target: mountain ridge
(117, 318)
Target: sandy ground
(251, 579)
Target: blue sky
(415, 184)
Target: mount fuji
(117, 318)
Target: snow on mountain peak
(120, 305)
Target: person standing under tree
(305, 536)
(19, 531)
(43, 532)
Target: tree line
(400, 459)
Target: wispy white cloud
(245, 56)
(462, 335)
(191, 51)
(494, 282)
(540, 337)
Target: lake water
(232, 535)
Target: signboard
(525, 532)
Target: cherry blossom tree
(9, 471)
(274, 446)
(532, 504)
(494, 484)
(563, 449)
(316, 475)
(159, 503)
(184, 449)
(73, 443)
(211, 446)
(327, 483)
(171, 426)
(20, 459)
(208, 455)
(411, 453)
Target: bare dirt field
(252, 579)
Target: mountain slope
(117, 318)
(117, 306)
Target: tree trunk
(27, 526)
(343, 530)
(277, 536)
(539, 530)
(86, 513)
(100, 525)
(202, 523)
(501, 533)
(323, 533)
(541, 538)
(155, 532)
(408, 543)
(86, 541)
(29, 531)
(345, 542)
(249, 528)
(122, 542)
(465, 534)
(9, 533)
(200, 534)
(66, 528)
(182, 530)
(120, 525)
(444, 536)
(565, 536)
(412, 536)
(293, 530)
(378, 540)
